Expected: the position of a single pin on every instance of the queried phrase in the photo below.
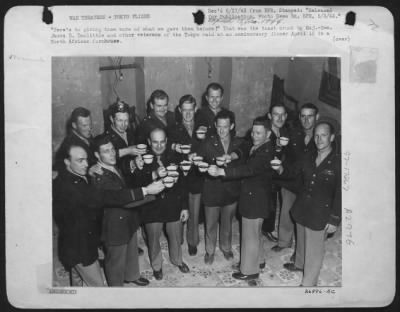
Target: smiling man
(169, 208)
(205, 117)
(158, 116)
(220, 196)
(300, 144)
(317, 209)
(122, 138)
(78, 210)
(119, 224)
(255, 197)
(184, 134)
(80, 134)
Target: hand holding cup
(161, 172)
(276, 164)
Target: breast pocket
(328, 177)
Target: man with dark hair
(80, 134)
(206, 115)
(300, 144)
(255, 196)
(78, 209)
(184, 134)
(122, 139)
(119, 223)
(277, 115)
(158, 116)
(317, 209)
(169, 208)
(220, 196)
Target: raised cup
(220, 161)
(185, 149)
(283, 141)
(201, 134)
(203, 166)
(168, 181)
(172, 167)
(197, 160)
(185, 165)
(275, 164)
(142, 147)
(148, 158)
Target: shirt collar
(78, 175)
(81, 137)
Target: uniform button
(90, 233)
(312, 182)
(249, 193)
(120, 217)
(314, 175)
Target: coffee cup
(201, 134)
(283, 141)
(197, 160)
(275, 164)
(168, 181)
(185, 149)
(142, 147)
(174, 175)
(220, 161)
(148, 158)
(203, 166)
(185, 165)
(172, 167)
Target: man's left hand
(184, 215)
(95, 169)
(330, 228)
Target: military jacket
(219, 191)
(78, 210)
(255, 182)
(319, 196)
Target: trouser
(269, 222)
(153, 231)
(87, 276)
(286, 224)
(122, 262)
(252, 246)
(310, 251)
(192, 231)
(212, 215)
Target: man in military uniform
(169, 208)
(317, 209)
(300, 144)
(184, 134)
(220, 196)
(80, 134)
(158, 116)
(122, 139)
(205, 117)
(255, 196)
(78, 209)
(277, 115)
(119, 223)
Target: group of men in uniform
(106, 190)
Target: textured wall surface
(250, 90)
(125, 87)
(75, 82)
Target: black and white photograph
(159, 155)
(233, 165)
